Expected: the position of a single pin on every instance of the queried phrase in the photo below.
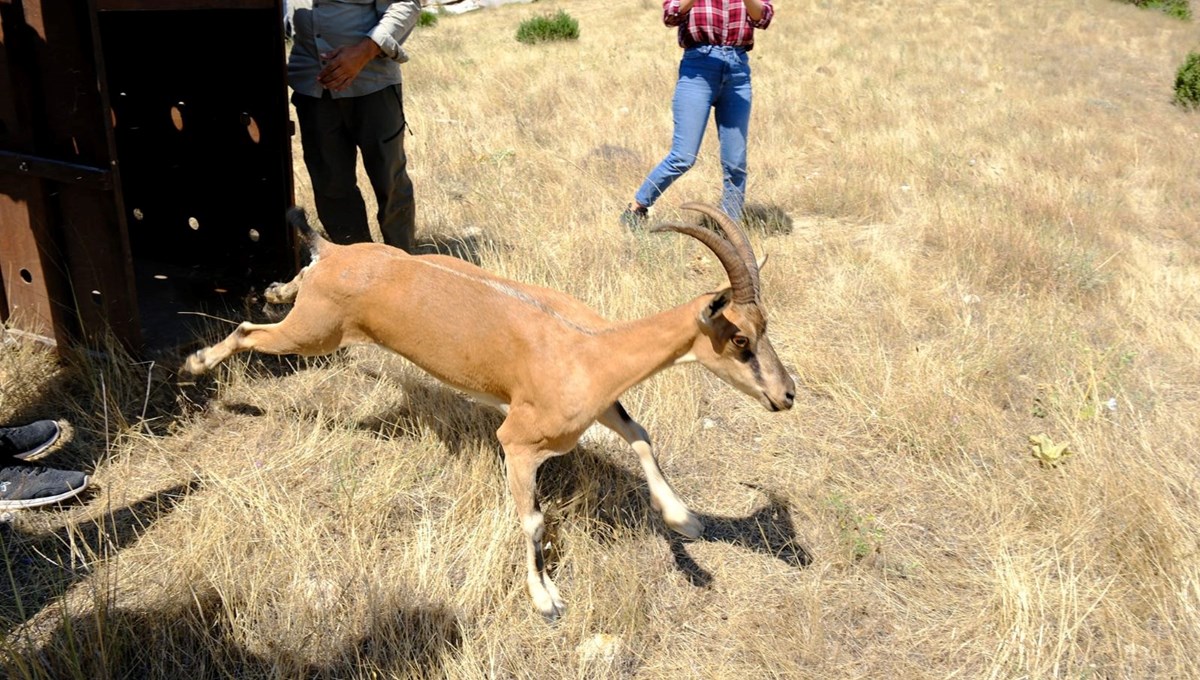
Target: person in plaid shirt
(716, 37)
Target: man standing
(344, 71)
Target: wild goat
(547, 361)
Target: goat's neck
(634, 351)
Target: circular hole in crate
(177, 116)
(138, 214)
(254, 235)
(251, 127)
(194, 223)
(26, 276)
(97, 298)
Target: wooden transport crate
(145, 164)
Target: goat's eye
(741, 341)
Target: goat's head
(734, 323)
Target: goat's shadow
(613, 497)
(588, 481)
(768, 530)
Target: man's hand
(343, 64)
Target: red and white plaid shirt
(716, 22)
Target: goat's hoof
(271, 294)
(689, 525)
(195, 364)
(551, 610)
(547, 600)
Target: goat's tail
(298, 220)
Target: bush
(546, 28)
(1187, 82)
(427, 19)
(1180, 9)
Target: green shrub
(559, 26)
(1187, 82)
(1180, 9)
(427, 19)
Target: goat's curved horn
(739, 273)
(734, 234)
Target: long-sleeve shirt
(716, 22)
(322, 25)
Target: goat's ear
(714, 308)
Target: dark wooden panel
(3, 298)
(93, 244)
(30, 285)
(33, 285)
(135, 187)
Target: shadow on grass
(196, 638)
(468, 247)
(460, 424)
(768, 530)
(767, 219)
(591, 484)
(39, 568)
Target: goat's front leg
(662, 496)
(310, 330)
(522, 464)
(204, 360)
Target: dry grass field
(992, 235)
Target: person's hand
(343, 64)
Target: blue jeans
(710, 77)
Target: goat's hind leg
(285, 293)
(662, 497)
(308, 332)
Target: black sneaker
(634, 219)
(23, 485)
(28, 442)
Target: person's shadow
(41, 567)
(194, 637)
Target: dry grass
(994, 236)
